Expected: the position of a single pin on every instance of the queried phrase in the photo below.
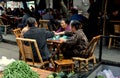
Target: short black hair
(66, 21)
(49, 9)
(76, 24)
(31, 21)
(74, 11)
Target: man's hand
(55, 33)
(62, 40)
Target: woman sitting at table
(76, 43)
(64, 26)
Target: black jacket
(41, 36)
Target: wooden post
(105, 13)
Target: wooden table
(55, 43)
(64, 63)
(43, 23)
(41, 72)
(115, 21)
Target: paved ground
(11, 51)
(112, 54)
(8, 50)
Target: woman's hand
(58, 33)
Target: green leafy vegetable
(19, 69)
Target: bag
(105, 74)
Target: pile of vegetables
(19, 69)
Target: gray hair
(31, 21)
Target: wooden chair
(25, 45)
(43, 23)
(17, 32)
(4, 25)
(68, 63)
(87, 54)
(114, 37)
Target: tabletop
(115, 21)
(56, 38)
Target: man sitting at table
(40, 35)
(76, 43)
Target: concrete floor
(11, 51)
(8, 50)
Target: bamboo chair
(25, 45)
(43, 24)
(17, 32)
(4, 25)
(114, 37)
(87, 54)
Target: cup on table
(61, 57)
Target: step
(9, 38)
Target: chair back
(4, 21)
(17, 32)
(43, 23)
(26, 48)
(88, 52)
(1, 22)
(117, 28)
(5, 24)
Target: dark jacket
(78, 17)
(79, 40)
(41, 36)
(75, 44)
